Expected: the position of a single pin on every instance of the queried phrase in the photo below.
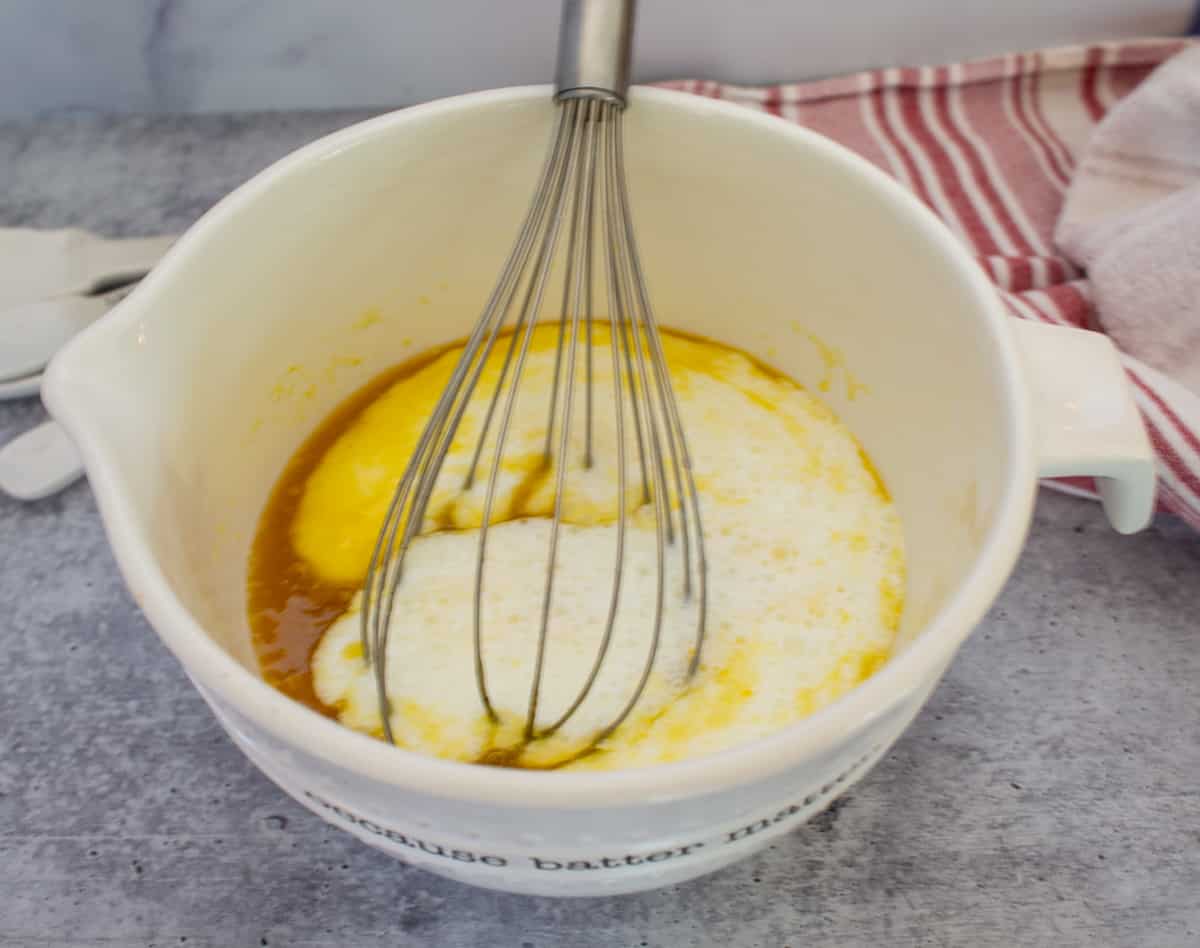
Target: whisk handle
(594, 43)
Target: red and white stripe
(990, 146)
(996, 181)
(1011, 100)
(901, 120)
(1060, 157)
(871, 110)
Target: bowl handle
(1087, 420)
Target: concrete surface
(1048, 795)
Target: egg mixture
(804, 549)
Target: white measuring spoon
(39, 264)
(38, 463)
(30, 334)
(23, 387)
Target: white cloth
(1132, 220)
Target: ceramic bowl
(385, 238)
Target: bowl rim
(217, 673)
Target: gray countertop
(1049, 794)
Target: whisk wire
(603, 133)
(659, 497)
(377, 576)
(525, 325)
(582, 190)
(568, 285)
(385, 568)
(681, 456)
(573, 289)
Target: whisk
(582, 191)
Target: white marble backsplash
(217, 55)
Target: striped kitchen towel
(991, 146)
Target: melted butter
(713, 703)
(347, 494)
(306, 568)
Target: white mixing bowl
(385, 238)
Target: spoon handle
(31, 334)
(113, 262)
(41, 264)
(38, 463)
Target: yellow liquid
(317, 532)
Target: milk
(804, 579)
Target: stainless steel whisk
(582, 190)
